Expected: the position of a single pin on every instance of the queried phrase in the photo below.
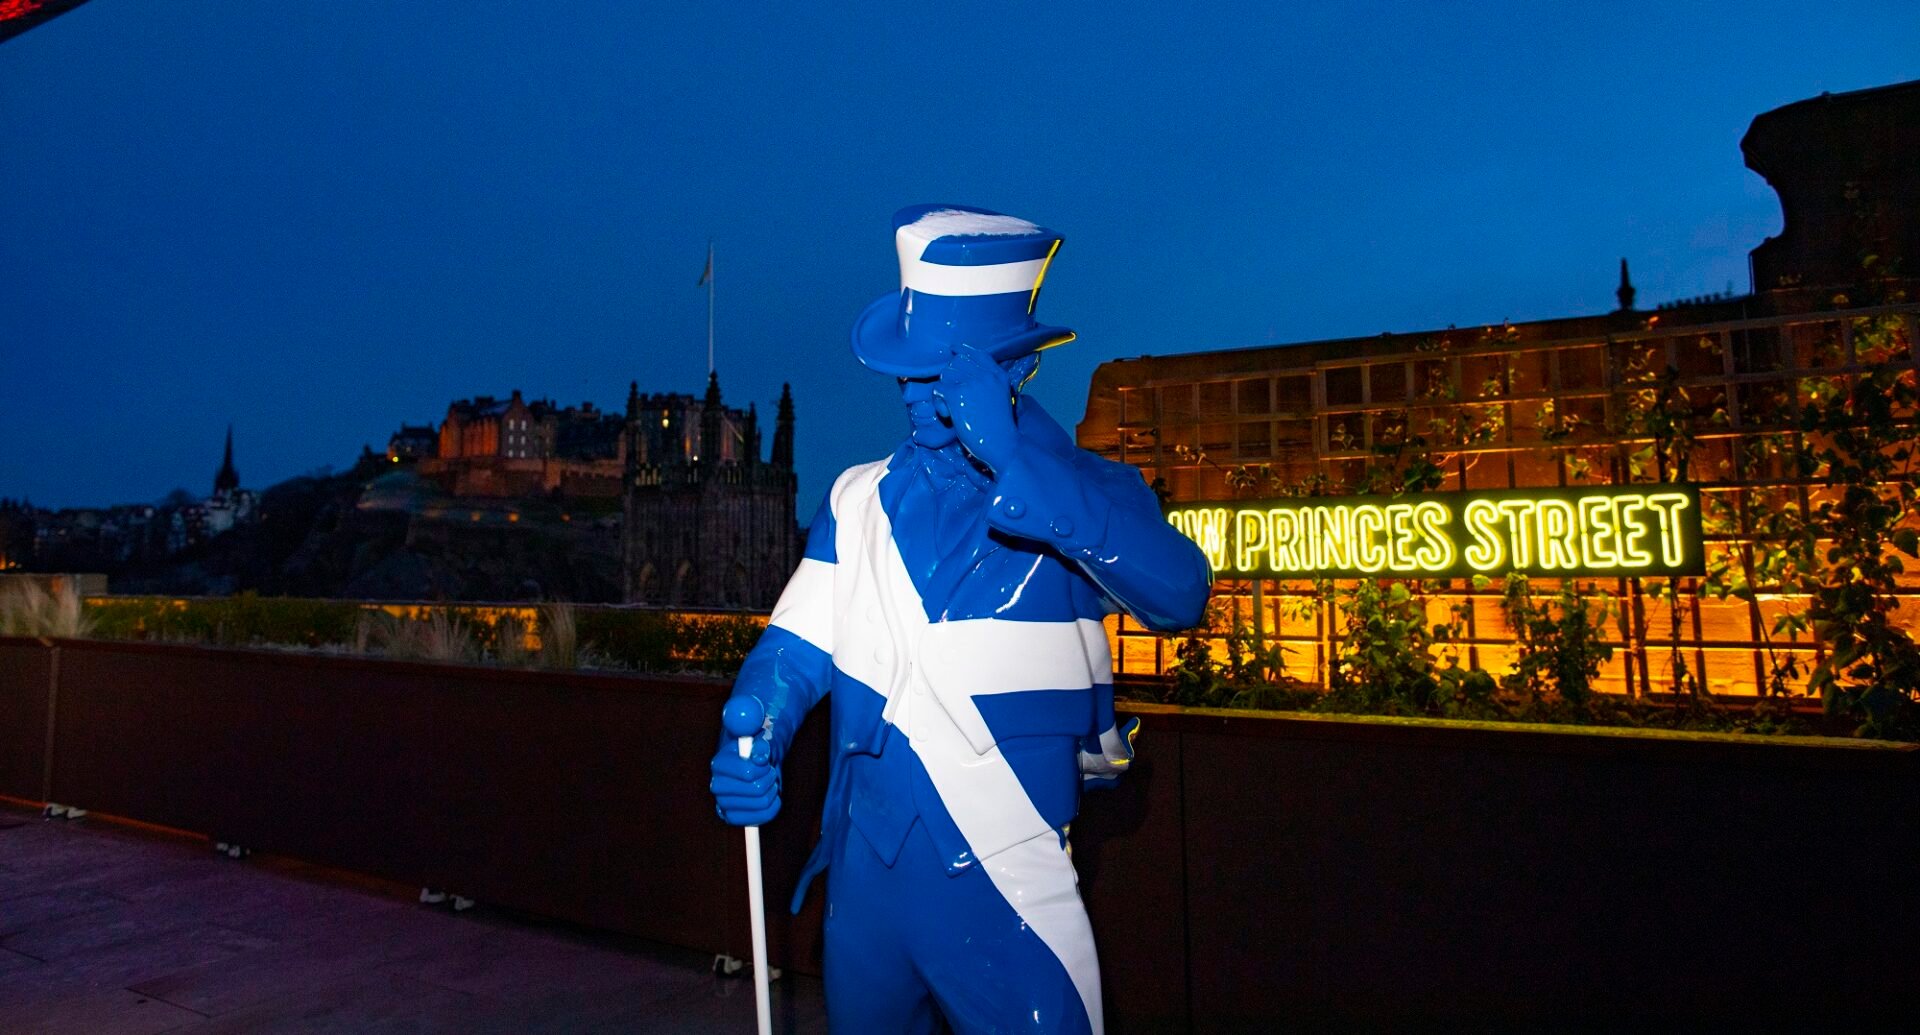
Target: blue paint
(999, 522)
(905, 939)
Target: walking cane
(744, 717)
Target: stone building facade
(512, 447)
(708, 523)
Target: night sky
(318, 220)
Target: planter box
(1407, 873)
(1252, 869)
(575, 796)
(26, 675)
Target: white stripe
(951, 222)
(877, 636)
(968, 281)
(1037, 878)
(806, 605)
(980, 656)
(880, 624)
(876, 609)
(1099, 650)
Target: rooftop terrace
(112, 929)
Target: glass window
(1176, 403)
(1254, 396)
(1295, 393)
(1343, 386)
(1388, 382)
(1256, 440)
(1216, 399)
(1583, 369)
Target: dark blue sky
(317, 220)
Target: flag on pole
(706, 281)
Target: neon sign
(1594, 531)
(17, 16)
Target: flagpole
(709, 305)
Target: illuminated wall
(1235, 430)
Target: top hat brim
(880, 347)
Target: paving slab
(21, 912)
(368, 1004)
(114, 1011)
(118, 930)
(302, 967)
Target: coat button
(882, 655)
(1063, 526)
(1014, 507)
(873, 614)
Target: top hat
(967, 277)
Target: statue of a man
(951, 603)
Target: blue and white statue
(950, 602)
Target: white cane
(746, 714)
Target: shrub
(241, 620)
(1560, 648)
(559, 637)
(28, 609)
(635, 639)
(440, 636)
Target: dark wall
(25, 671)
(1374, 874)
(1250, 870)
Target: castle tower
(783, 430)
(227, 479)
(750, 437)
(708, 523)
(1625, 291)
(711, 422)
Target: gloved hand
(746, 791)
(1106, 758)
(977, 395)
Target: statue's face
(927, 415)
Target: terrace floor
(110, 929)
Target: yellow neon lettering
(1669, 505)
(1399, 535)
(1486, 552)
(1336, 537)
(1598, 528)
(1431, 518)
(1519, 530)
(1590, 531)
(1368, 521)
(1558, 545)
(1207, 527)
(1633, 530)
(1312, 553)
(1249, 538)
(1286, 541)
